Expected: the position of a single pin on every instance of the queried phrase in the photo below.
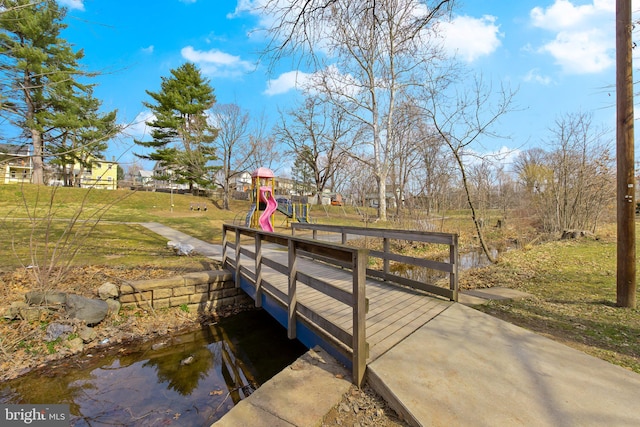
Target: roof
(145, 174)
(17, 150)
(262, 173)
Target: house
(240, 181)
(100, 174)
(144, 178)
(15, 164)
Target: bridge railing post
(359, 345)
(224, 245)
(293, 297)
(237, 258)
(258, 265)
(453, 275)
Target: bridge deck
(394, 313)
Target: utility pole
(626, 257)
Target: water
(191, 379)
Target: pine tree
(181, 135)
(80, 132)
(35, 60)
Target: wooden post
(258, 301)
(385, 261)
(626, 249)
(359, 344)
(293, 298)
(344, 238)
(224, 245)
(237, 258)
(453, 276)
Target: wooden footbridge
(329, 293)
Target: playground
(264, 203)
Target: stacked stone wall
(201, 291)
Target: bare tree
(262, 145)
(570, 186)
(462, 120)
(317, 135)
(374, 46)
(232, 145)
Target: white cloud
(72, 4)
(215, 62)
(286, 82)
(563, 14)
(148, 49)
(471, 38)
(535, 76)
(585, 34)
(138, 128)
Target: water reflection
(190, 379)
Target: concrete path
(466, 368)
(463, 368)
(203, 248)
(301, 395)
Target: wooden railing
(387, 235)
(351, 344)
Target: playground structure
(264, 203)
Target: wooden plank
(326, 288)
(334, 331)
(382, 346)
(436, 290)
(420, 262)
(411, 235)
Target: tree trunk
(474, 217)
(37, 175)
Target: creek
(190, 379)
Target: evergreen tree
(35, 60)
(80, 132)
(182, 138)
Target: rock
(114, 307)
(33, 314)
(56, 330)
(108, 290)
(45, 298)
(90, 311)
(181, 249)
(14, 309)
(75, 345)
(187, 361)
(87, 334)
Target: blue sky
(559, 54)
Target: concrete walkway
(463, 368)
(203, 248)
(466, 368)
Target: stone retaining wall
(200, 291)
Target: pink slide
(272, 205)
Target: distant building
(240, 181)
(100, 174)
(144, 178)
(15, 164)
